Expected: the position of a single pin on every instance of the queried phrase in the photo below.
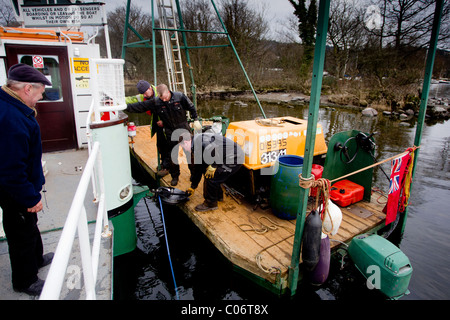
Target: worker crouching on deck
(218, 158)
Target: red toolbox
(345, 193)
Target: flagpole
(425, 89)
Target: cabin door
(55, 113)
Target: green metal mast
(155, 80)
(313, 114)
(142, 43)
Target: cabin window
(49, 66)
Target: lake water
(203, 274)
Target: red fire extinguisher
(131, 129)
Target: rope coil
(263, 229)
(269, 122)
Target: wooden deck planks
(230, 227)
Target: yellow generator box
(264, 140)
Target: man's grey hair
(17, 85)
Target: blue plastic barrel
(284, 187)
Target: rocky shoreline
(436, 109)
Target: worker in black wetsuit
(218, 158)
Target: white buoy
(331, 225)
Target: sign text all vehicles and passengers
(63, 15)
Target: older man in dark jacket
(21, 175)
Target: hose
(167, 246)
(164, 227)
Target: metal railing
(108, 87)
(77, 221)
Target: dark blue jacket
(21, 175)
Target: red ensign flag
(399, 169)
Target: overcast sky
(276, 10)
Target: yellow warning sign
(80, 65)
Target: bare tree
(247, 27)
(198, 15)
(7, 16)
(408, 22)
(345, 34)
(137, 59)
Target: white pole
(55, 277)
(86, 258)
(108, 46)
